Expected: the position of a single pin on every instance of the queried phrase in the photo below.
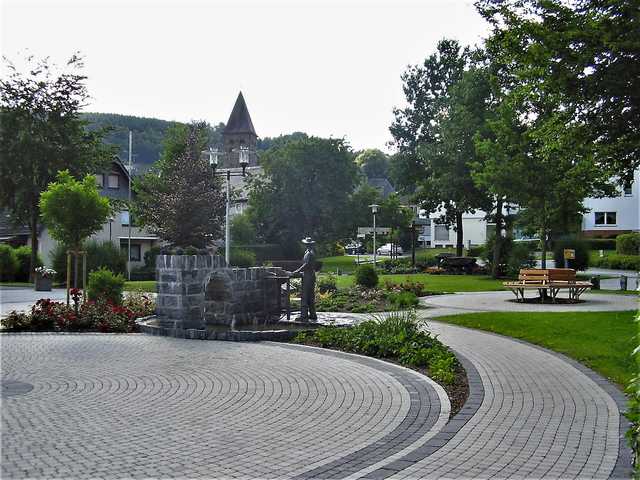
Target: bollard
(595, 281)
(623, 282)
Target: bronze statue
(308, 273)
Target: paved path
(21, 298)
(113, 406)
(504, 302)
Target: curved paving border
(427, 415)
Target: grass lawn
(436, 283)
(602, 341)
(140, 286)
(16, 284)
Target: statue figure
(308, 273)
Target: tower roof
(240, 120)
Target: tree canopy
(304, 191)
(373, 163)
(41, 133)
(179, 199)
(73, 210)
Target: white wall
(474, 229)
(627, 208)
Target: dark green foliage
(242, 258)
(326, 283)
(373, 163)
(23, 254)
(366, 276)
(628, 244)
(618, 262)
(104, 285)
(269, 142)
(242, 230)
(99, 255)
(8, 262)
(265, 252)
(304, 192)
(581, 248)
(180, 200)
(633, 410)
(403, 300)
(398, 336)
(514, 256)
(596, 244)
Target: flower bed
(92, 316)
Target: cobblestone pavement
(137, 406)
(114, 406)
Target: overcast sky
(328, 68)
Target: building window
(100, 180)
(114, 181)
(441, 233)
(627, 189)
(136, 250)
(124, 219)
(605, 218)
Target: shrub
(417, 288)
(23, 254)
(476, 251)
(403, 300)
(366, 276)
(99, 255)
(242, 258)
(141, 304)
(628, 244)
(633, 411)
(514, 255)
(8, 262)
(600, 243)
(581, 262)
(618, 262)
(104, 285)
(326, 283)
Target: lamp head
(374, 208)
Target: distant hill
(148, 135)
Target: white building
(611, 216)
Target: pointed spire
(240, 120)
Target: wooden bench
(548, 282)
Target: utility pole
(129, 207)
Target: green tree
(583, 58)
(304, 191)
(242, 230)
(179, 199)
(73, 210)
(435, 133)
(41, 133)
(373, 163)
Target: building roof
(382, 184)
(240, 120)
(8, 229)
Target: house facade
(114, 184)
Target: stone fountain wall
(198, 290)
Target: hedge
(600, 243)
(618, 262)
(628, 244)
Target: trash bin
(595, 281)
(623, 282)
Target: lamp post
(374, 210)
(243, 157)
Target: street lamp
(374, 210)
(243, 157)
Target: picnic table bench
(548, 282)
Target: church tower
(239, 132)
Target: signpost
(569, 254)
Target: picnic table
(548, 282)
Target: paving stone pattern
(115, 406)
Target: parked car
(386, 249)
(354, 248)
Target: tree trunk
(497, 244)
(459, 234)
(33, 261)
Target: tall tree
(373, 163)
(435, 133)
(179, 199)
(304, 191)
(41, 133)
(583, 55)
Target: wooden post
(68, 273)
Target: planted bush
(242, 258)
(366, 276)
(618, 262)
(104, 285)
(398, 336)
(99, 255)
(403, 300)
(327, 284)
(628, 244)
(23, 272)
(8, 262)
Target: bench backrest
(547, 275)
